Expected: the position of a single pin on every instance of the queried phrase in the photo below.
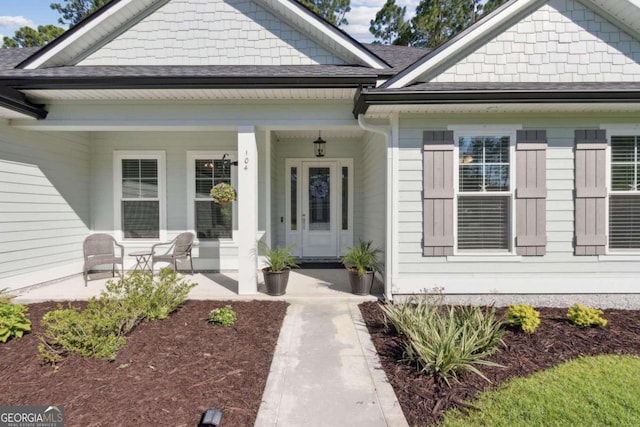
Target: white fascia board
(469, 39)
(335, 36)
(88, 27)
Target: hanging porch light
(319, 146)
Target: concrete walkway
(325, 372)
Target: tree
(333, 11)
(490, 6)
(389, 26)
(28, 37)
(74, 11)
(434, 22)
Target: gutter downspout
(391, 141)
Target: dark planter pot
(276, 281)
(360, 285)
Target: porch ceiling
(329, 94)
(327, 134)
(8, 114)
(383, 111)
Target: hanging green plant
(223, 193)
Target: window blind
(624, 209)
(483, 223)
(140, 205)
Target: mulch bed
(168, 373)
(424, 401)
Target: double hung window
(139, 194)
(484, 193)
(209, 220)
(624, 197)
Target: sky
(18, 13)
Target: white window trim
(618, 129)
(192, 156)
(485, 130)
(118, 156)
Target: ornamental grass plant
(442, 340)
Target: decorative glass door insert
(319, 198)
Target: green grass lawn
(590, 391)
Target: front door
(319, 206)
(318, 218)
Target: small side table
(142, 261)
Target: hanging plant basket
(223, 194)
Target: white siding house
(503, 162)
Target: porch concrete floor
(318, 285)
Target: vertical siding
(502, 274)
(44, 202)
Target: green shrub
(443, 341)
(585, 317)
(100, 329)
(224, 316)
(97, 331)
(523, 316)
(148, 299)
(13, 321)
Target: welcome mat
(324, 264)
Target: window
(139, 203)
(624, 199)
(484, 193)
(208, 219)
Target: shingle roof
(515, 87)
(398, 57)
(9, 58)
(195, 71)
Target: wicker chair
(100, 249)
(182, 245)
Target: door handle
(304, 221)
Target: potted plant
(223, 193)
(280, 261)
(362, 264)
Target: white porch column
(247, 210)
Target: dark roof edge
(95, 15)
(15, 101)
(404, 97)
(146, 82)
(445, 45)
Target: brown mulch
(424, 401)
(167, 374)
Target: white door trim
(294, 238)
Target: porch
(145, 181)
(305, 285)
